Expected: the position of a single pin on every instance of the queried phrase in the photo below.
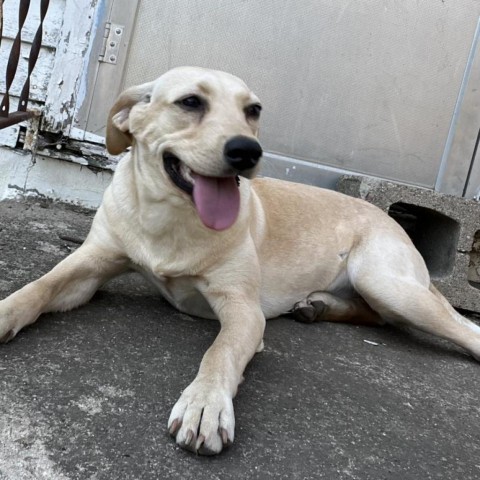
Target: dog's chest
(182, 292)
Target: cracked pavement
(86, 394)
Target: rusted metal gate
(8, 118)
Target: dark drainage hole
(435, 235)
(474, 265)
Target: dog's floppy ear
(119, 137)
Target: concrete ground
(87, 394)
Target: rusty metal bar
(14, 57)
(14, 118)
(32, 58)
(7, 118)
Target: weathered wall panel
(67, 88)
(9, 136)
(41, 75)
(51, 26)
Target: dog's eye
(192, 102)
(253, 111)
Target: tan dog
(235, 249)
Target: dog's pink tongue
(217, 201)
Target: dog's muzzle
(242, 153)
(216, 198)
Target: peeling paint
(43, 69)
(51, 179)
(51, 26)
(27, 191)
(70, 65)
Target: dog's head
(199, 127)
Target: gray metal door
(109, 53)
(367, 86)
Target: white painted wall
(21, 175)
(58, 85)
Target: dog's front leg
(203, 419)
(71, 283)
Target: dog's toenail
(189, 438)
(200, 442)
(7, 337)
(224, 435)
(174, 427)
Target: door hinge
(112, 40)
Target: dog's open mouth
(178, 172)
(216, 199)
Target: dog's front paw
(203, 420)
(8, 325)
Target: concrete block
(445, 229)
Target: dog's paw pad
(320, 308)
(304, 313)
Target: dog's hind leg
(71, 283)
(326, 307)
(399, 289)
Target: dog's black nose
(242, 153)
